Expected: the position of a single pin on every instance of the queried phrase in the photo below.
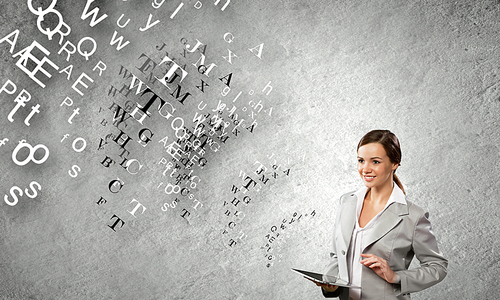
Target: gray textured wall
(426, 70)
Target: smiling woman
(377, 171)
(378, 232)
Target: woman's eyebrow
(375, 157)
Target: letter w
(118, 40)
(198, 118)
(139, 84)
(120, 115)
(93, 13)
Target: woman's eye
(360, 160)
(376, 162)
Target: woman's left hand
(380, 267)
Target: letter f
(21, 101)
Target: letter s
(75, 169)
(32, 184)
(165, 207)
(12, 189)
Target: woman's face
(374, 165)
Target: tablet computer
(317, 277)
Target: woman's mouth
(368, 178)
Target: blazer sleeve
(337, 293)
(332, 269)
(432, 262)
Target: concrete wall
(311, 76)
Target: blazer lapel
(387, 221)
(348, 219)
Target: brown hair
(391, 146)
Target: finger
(365, 261)
(375, 265)
(369, 256)
(374, 258)
(369, 260)
(369, 264)
(330, 287)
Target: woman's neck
(380, 194)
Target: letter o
(49, 33)
(31, 155)
(39, 11)
(170, 188)
(83, 146)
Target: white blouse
(359, 235)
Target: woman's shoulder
(415, 209)
(347, 196)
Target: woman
(377, 232)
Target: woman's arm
(432, 262)
(331, 272)
(335, 293)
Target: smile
(368, 178)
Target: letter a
(13, 42)
(257, 49)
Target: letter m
(178, 95)
(93, 13)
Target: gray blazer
(401, 232)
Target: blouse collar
(397, 195)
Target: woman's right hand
(325, 286)
(328, 287)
